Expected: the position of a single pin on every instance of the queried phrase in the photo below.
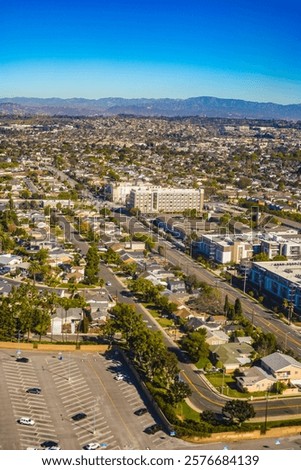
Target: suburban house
(176, 285)
(232, 355)
(152, 278)
(194, 324)
(244, 339)
(276, 367)
(59, 256)
(66, 321)
(216, 337)
(185, 313)
(5, 288)
(283, 367)
(10, 261)
(98, 305)
(76, 274)
(255, 379)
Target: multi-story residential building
(280, 279)
(119, 192)
(279, 246)
(223, 250)
(155, 199)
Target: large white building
(119, 192)
(291, 248)
(223, 249)
(152, 200)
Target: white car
(92, 446)
(26, 421)
(119, 376)
(108, 283)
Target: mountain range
(205, 106)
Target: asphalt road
(203, 396)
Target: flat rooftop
(290, 270)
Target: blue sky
(245, 49)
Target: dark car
(22, 359)
(140, 412)
(34, 390)
(79, 416)
(153, 429)
(48, 444)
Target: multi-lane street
(203, 395)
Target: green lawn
(164, 322)
(225, 385)
(185, 412)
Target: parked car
(92, 446)
(27, 421)
(140, 412)
(153, 429)
(34, 390)
(79, 416)
(119, 376)
(49, 444)
(22, 359)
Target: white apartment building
(223, 250)
(119, 192)
(278, 246)
(153, 200)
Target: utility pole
(266, 413)
(223, 381)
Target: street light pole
(266, 413)
(223, 381)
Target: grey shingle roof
(277, 361)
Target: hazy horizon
(138, 98)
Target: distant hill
(199, 106)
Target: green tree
(125, 320)
(195, 345)
(237, 308)
(261, 257)
(209, 300)
(92, 265)
(265, 343)
(238, 410)
(226, 305)
(8, 325)
(178, 391)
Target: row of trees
(149, 292)
(148, 353)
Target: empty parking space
(71, 384)
(19, 377)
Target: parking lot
(86, 383)
(72, 383)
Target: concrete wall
(54, 347)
